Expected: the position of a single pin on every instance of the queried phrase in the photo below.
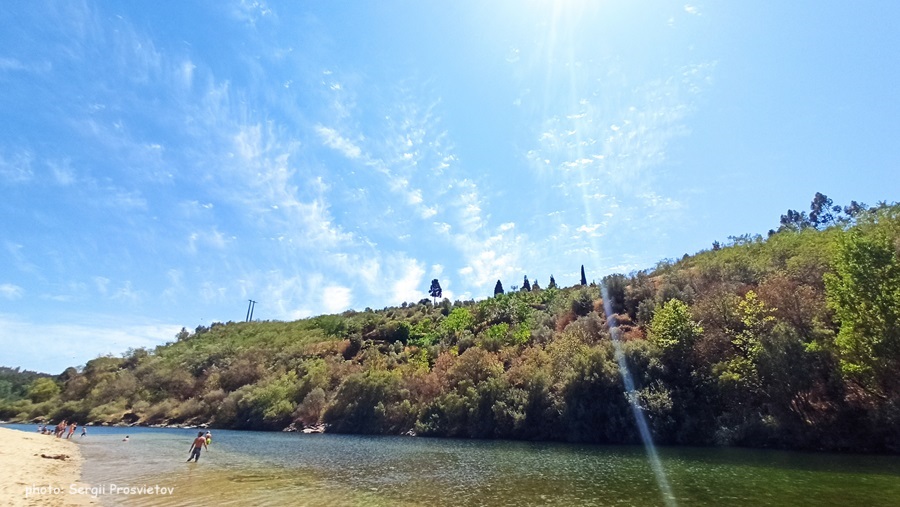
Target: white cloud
(187, 74)
(101, 284)
(127, 293)
(11, 64)
(16, 168)
(76, 343)
(415, 197)
(251, 11)
(16, 65)
(175, 278)
(333, 140)
(10, 291)
(692, 9)
(211, 238)
(336, 298)
(124, 200)
(62, 172)
(409, 286)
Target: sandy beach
(31, 480)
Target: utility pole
(250, 308)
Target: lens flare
(639, 417)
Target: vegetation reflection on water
(252, 468)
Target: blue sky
(161, 164)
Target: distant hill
(790, 340)
(14, 383)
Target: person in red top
(199, 442)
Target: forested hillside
(792, 341)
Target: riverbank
(40, 470)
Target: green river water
(259, 468)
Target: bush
(353, 409)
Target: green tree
(740, 371)
(526, 285)
(498, 289)
(368, 402)
(43, 389)
(685, 378)
(583, 278)
(864, 292)
(552, 283)
(459, 320)
(674, 331)
(615, 291)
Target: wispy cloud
(15, 65)
(20, 261)
(76, 343)
(414, 160)
(63, 173)
(251, 11)
(334, 140)
(211, 239)
(16, 168)
(10, 291)
(607, 147)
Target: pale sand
(21, 467)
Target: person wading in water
(199, 442)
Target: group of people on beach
(68, 429)
(63, 428)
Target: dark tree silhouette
(821, 209)
(435, 290)
(526, 286)
(552, 284)
(583, 278)
(498, 289)
(855, 208)
(794, 221)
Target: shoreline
(32, 480)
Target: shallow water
(259, 468)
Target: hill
(787, 341)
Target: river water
(260, 468)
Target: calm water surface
(257, 468)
